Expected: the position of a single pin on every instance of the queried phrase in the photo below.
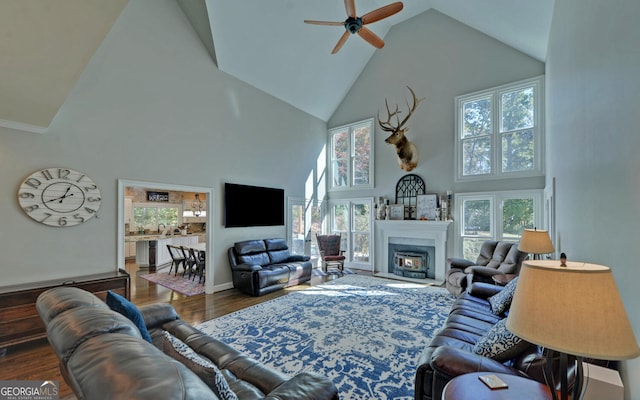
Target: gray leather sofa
(103, 356)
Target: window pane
(476, 155)
(145, 217)
(340, 157)
(471, 247)
(297, 229)
(476, 118)
(361, 247)
(517, 214)
(518, 151)
(341, 145)
(517, 110)
(361, 217)
(340, 168)
(361, 155)
(168, 216)
(340, 218)
(477, 218)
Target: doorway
(209, 193)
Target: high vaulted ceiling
(46, 45)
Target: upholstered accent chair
(496, 257)
(332, 256)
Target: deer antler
(387, 125)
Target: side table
(469, 387)
(503, 279)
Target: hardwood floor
(37, 361)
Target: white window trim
(496, 211)
(496, 144)
(350, 185)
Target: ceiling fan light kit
(354, 24)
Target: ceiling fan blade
(350, 6)
(308, 21)
(371, 37)
(382, 12)
(343, 39)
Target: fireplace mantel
(432, 233)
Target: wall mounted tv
(252, 206)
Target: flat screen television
(246, 205)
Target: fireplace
(422, 243)
(411, 260)
(411, 264)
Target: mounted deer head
(407, 151)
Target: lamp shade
(575, 309)
(535, 241)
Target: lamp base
(563, 375)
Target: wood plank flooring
(37, 361)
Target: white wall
(439, 58)
(593, 140)
(150, 106)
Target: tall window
(352, 155)
(305, 221)
(500, 131)
(495, 216)
(353, 219)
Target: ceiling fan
(354, 24)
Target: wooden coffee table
(469, 387)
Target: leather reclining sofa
(103, 355)
(263, 266)
(451, 351)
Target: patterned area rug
(364, 333)
(182, 285)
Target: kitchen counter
(138, 238)
(152, 252)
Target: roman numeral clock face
(59, 197)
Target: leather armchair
(496, 257)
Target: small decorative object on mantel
(407, 152)
(427, 207)
(396, 211)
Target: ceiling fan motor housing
(353, 25)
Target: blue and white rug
(364, 333)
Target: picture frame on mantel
(396, 211)
(426, 207)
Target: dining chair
(176, 258)
(189, 263)
(198, 258)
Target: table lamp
(535, 242)
(574, 310)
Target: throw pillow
(500, 344)
(501, 301)
(123, 306)
(204, 368)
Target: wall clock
(59, 197)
